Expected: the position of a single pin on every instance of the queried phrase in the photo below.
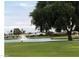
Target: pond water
(35, 40)
(24, 39)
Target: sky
(17, 15)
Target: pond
(22, 38)
(35, 40)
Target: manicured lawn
(42, 49)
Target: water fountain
(23, 38)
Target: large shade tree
(66, 19)
(59, 15)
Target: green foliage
(77, 28)
(61, 15)
(48, 14)
(17, 31)
(39, 16)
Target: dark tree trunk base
(69, 36)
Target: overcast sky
(17, 15)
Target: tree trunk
(46, 30)
(69, 35)
(41, 29)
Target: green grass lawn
(42, 49)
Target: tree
(76, 28)
(23, 31)
(17, 31)
(66, 18)
(58, 29)
(59, 15)
(40, 17)
(11, 32)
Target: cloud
(23, 22)
(17, 15)
(23, 4)
(11, 27)
(26, 28)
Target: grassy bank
(42, 49)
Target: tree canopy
(17, 31)
(62, 15)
